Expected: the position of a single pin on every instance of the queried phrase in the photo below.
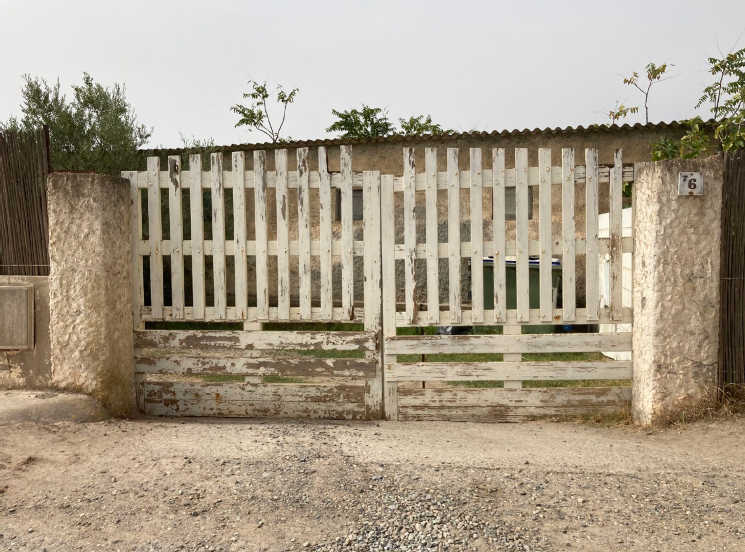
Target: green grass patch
(313, 327)
(565, 356)
(543, 384)
(282, 379)
(220, 326)
(215, 378)
(452, 357)
(577, 383)
(320, 353)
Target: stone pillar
(676, 288)
(90, 287)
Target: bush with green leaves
(421, 125)
(372, 122)
(256, 114)
(96, 130)
(369, 122)
(727, 98)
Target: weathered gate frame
(416, 402)
(251, 352)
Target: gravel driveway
(162, 484)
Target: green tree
(654, 75)
(417, 126)
(256, 114)
(619, 112)
(370, 122)
(727, 98)
(694, 143)
(97, 130)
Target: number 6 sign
(690, 183)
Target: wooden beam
(526, 343)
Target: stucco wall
(676, 288)
(90, 288)
(29, 369)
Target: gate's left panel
(250, 297)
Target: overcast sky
(490, 65)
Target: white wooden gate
(271, 259)
(265, 372)
(425, 390)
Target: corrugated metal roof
(394, 138)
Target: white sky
(488, 64)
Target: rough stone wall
(29, 369)
(90, 287)
(676, 288)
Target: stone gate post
(90, 287)
(676, 288)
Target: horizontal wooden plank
(534, 319)
(459, 397)
(291, 367)
(337, 314)
(236, 340)
(315, 248)
(513, 371)
(233, 391)
(534, 248)
(526, 343)
(421, 185)
(496, 414)
(256, 409)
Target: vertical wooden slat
(239, 235)
(324, 196)
(373, 291)
(616, 235)
(499, 213)
(591, 249)
(347, 234)
(513, 383)
(433, 277)
(387, 232)
(218, 236)
(568, 232)
(197, 235)
(410, 233)
(283, 236)
(454, 234)
(135, 222)
(522, 265)
(477, 238)
(155, 235)
(303, 223)
(177, 236)
(262, 245)
(544, 233)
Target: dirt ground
(210, 484)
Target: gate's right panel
(491, 295)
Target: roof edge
(400, 138)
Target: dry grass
(620, 417)
(717, 406)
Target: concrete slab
(49, 407)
